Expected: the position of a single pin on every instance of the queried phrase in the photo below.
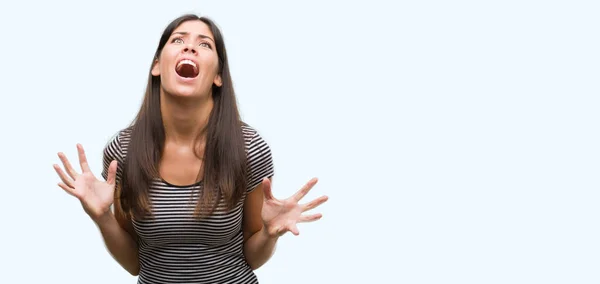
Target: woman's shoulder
(120, 136)
(248, 131)
(252, 136)
(116, 147)
(260, 160)
(124, 134)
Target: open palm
(281, 216)
(95, 195)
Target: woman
(188, 181)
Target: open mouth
(186, 69)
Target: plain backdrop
(457, 140)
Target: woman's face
(188, 64)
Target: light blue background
(458, 140)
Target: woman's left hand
(281, 216)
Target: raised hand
(96, 196)
(281, 216)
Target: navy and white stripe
(174, 247)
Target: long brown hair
(224, 161)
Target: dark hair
(224, 162)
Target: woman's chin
(184, 92)
(183, 87)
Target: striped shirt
(174, 247)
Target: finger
(294, 229)
(305, 189)
(310, 218)
(313, 204)
(72, 173)
(66, 180)
(266, 183)
(82, 159)
(67, 188)
(112, 173)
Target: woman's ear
(155, 68)
(218, 82)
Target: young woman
(188, 181)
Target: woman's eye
(205, 44)
(177, 40)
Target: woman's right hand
(96, 196)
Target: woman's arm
(258, 245)
(116, 228)
(120, 239)
(96, 198)
(266, 218)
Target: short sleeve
(112, 151)
(260, 162)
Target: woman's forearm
(119, 243)
(259, 248)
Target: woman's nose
(190, 49)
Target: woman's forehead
(193, 28)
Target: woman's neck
(184, 119)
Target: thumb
(112, 173)
(294, 230)
(266, 184)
